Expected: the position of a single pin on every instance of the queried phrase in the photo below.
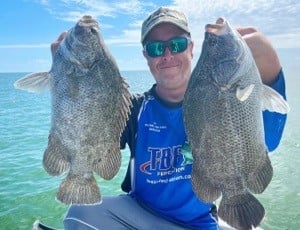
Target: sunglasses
(158, 48)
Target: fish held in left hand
(222, 111)
(90, 106)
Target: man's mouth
(168, 66)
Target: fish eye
(213, 41)
(94, 31)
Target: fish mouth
(88, 22)
(219, 28)
(82, 44)
(226, 70)
(86, 29)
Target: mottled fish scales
(90, 107)
(222, 111)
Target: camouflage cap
(164, 15)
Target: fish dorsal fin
(34, 82)
(273, 101)
(243, 94)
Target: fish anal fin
(273, 101)
(55, 159)
(243, 94)
(241, 211)
(258, 180)
(108, 166)
(79, 190)
(203, 188)
(34, 82)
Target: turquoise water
(27, 192)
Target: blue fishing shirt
(159, 172)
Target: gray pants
(114, 213)
(119, 212)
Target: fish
(222, 112)
(90, 105)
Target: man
(160, 194)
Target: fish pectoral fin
(108, 166)
(243, 94)
(34, 82)
(273, 101)
(55, 159)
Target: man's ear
(191, 49)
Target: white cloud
(129, 37)
(277, 19)
(129, 7)
(287, 40)
(134, 10)
(72, 10)
(24, 46)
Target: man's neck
(170, 95)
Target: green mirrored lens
(155, 49)
(178, 45)
(175, 45)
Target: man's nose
(167, 53)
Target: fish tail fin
(79, 190)
(203, 188)
(34, 82)
(241, 211)
(108, 166)
(55, 160)
(258, 180)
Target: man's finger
(55, 44)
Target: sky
(28, 27)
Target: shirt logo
(165, 161)
(155, 127)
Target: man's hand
(263, 52)
(56, 43)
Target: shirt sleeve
(274, 122)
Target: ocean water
(27, 192)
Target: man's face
(169, 70)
